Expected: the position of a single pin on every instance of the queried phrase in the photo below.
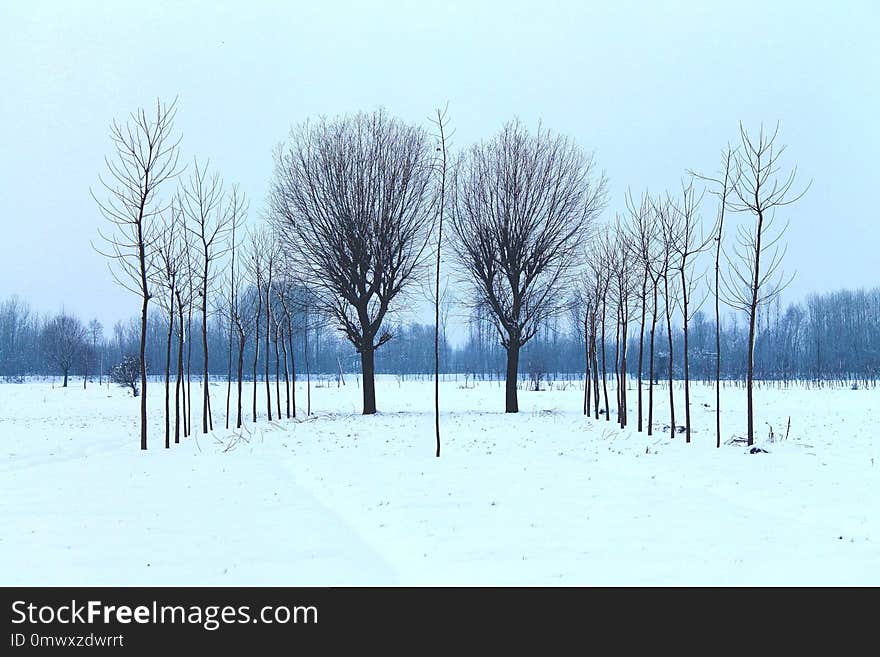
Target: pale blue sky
(652, 88)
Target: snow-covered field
(543, 497)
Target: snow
(543, 497)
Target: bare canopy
(353, 204)
(522, 206)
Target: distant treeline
(832, 337)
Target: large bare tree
(522, 206)
(353, 200)
(146, 157)
(755, 275)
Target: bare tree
(522, 206)
(755, 276)
(580, 308)
(642, 241)
(15, 319)
(667, 218)
(286, 290)
(237, 207)
(168, 265)
(689, 240)
(259, 245)
(146, 156)
(277, 336)
(441, 126)
(242, 319)
(96, 332)
(64, 339)
(722, 186)
(353, 200)
(622, 287)
(208, 220)
(658, 265)
(603, 267)
(184, 291)
(270, 259)
(306, 304)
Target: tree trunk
(617, 393)
(669, 337)
(257, 346)
(241, 345)
(511, 403)
(178, 388)
(146, 300)
(594, 359)
(437, 341)
(277, 377)
(623, 407)
(651, 364)
(586, 365)
(189, 345)
(64, 385)
(750, 381)
(206, 395)
(308, 370)
(753, 310)
(687, 376)
(718, 323)
(369, 379)
(229, 371)
(292, 368)
(286, 378)
(642, 345)
(717, 349)
(266, 357)
(604, 369)
(168, 373)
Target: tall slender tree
(441, 136)
(260, 242)
(208, 221)
(755, 260)
(722, 185)
(146, 157)
(642, 240)
(669, 230)
(169, 259)
(689, 241)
